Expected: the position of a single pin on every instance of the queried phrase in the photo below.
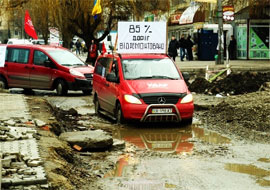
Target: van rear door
(18, 67)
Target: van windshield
(135, 69)
(65, 58)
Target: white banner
(142, 37)
(2, 55)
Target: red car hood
(84, 69)
(155, 86)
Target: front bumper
(143, 112)
(80, 84)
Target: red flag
(28, 26)
(104, 50)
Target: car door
(18, 67)
(101, 85)
(40, 75)
(112, 87)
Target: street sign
(142, 37)
(2, 55)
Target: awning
(188, 14)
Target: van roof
(44, 47)
(141, 56)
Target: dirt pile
(246, 116)
(235, 83)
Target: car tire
(119, 115)
(87, 92)
(97, 106)
(3, 83)
(61, 88)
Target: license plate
(162, 110)
(167, 145)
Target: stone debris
(21, 164)
(97, 139)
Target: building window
(16, 32)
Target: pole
(220, 34)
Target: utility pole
(220, 34)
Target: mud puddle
(171, 140)
(262, 176)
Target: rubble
(94, 139)
(235, 83)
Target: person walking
(173, 46)
(78, 47)
(183, 46)
(232, 48)
(190, 44)
(93, 52)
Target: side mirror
(186, 76)
(48, 63)
(111, 77)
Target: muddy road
(212, 153)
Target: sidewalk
(20, 162)
(236, 65)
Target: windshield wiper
(163, 77)
(67, 65)
(141, 77)
(153, 77)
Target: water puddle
(266, 160)
(262, 175)
(167, 139)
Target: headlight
(76, 73)
(188, 98)
(132, 99)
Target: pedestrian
(93, 52)
(190, 44)
(173, 46)
(78, 47)
(232, 48)
(183, 46)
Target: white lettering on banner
(142, 37)
(3, 50)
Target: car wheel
(61, 88)
(119, 115)
(97, 106)
(3, 83)
(87, 92)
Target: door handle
(33, 68)
(107, 84)
(26, 67)
(5, 65)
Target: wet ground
(167, 157)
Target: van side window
(18, 55)
(103, 66)
(40, 58)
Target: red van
(45, 67)
(144, 87)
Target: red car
(144, 87)
(45, 67)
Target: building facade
(198, 18)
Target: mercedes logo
(161, 100)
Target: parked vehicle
(18, 41)
(142, 87)
(38, 42)
(45, 67)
